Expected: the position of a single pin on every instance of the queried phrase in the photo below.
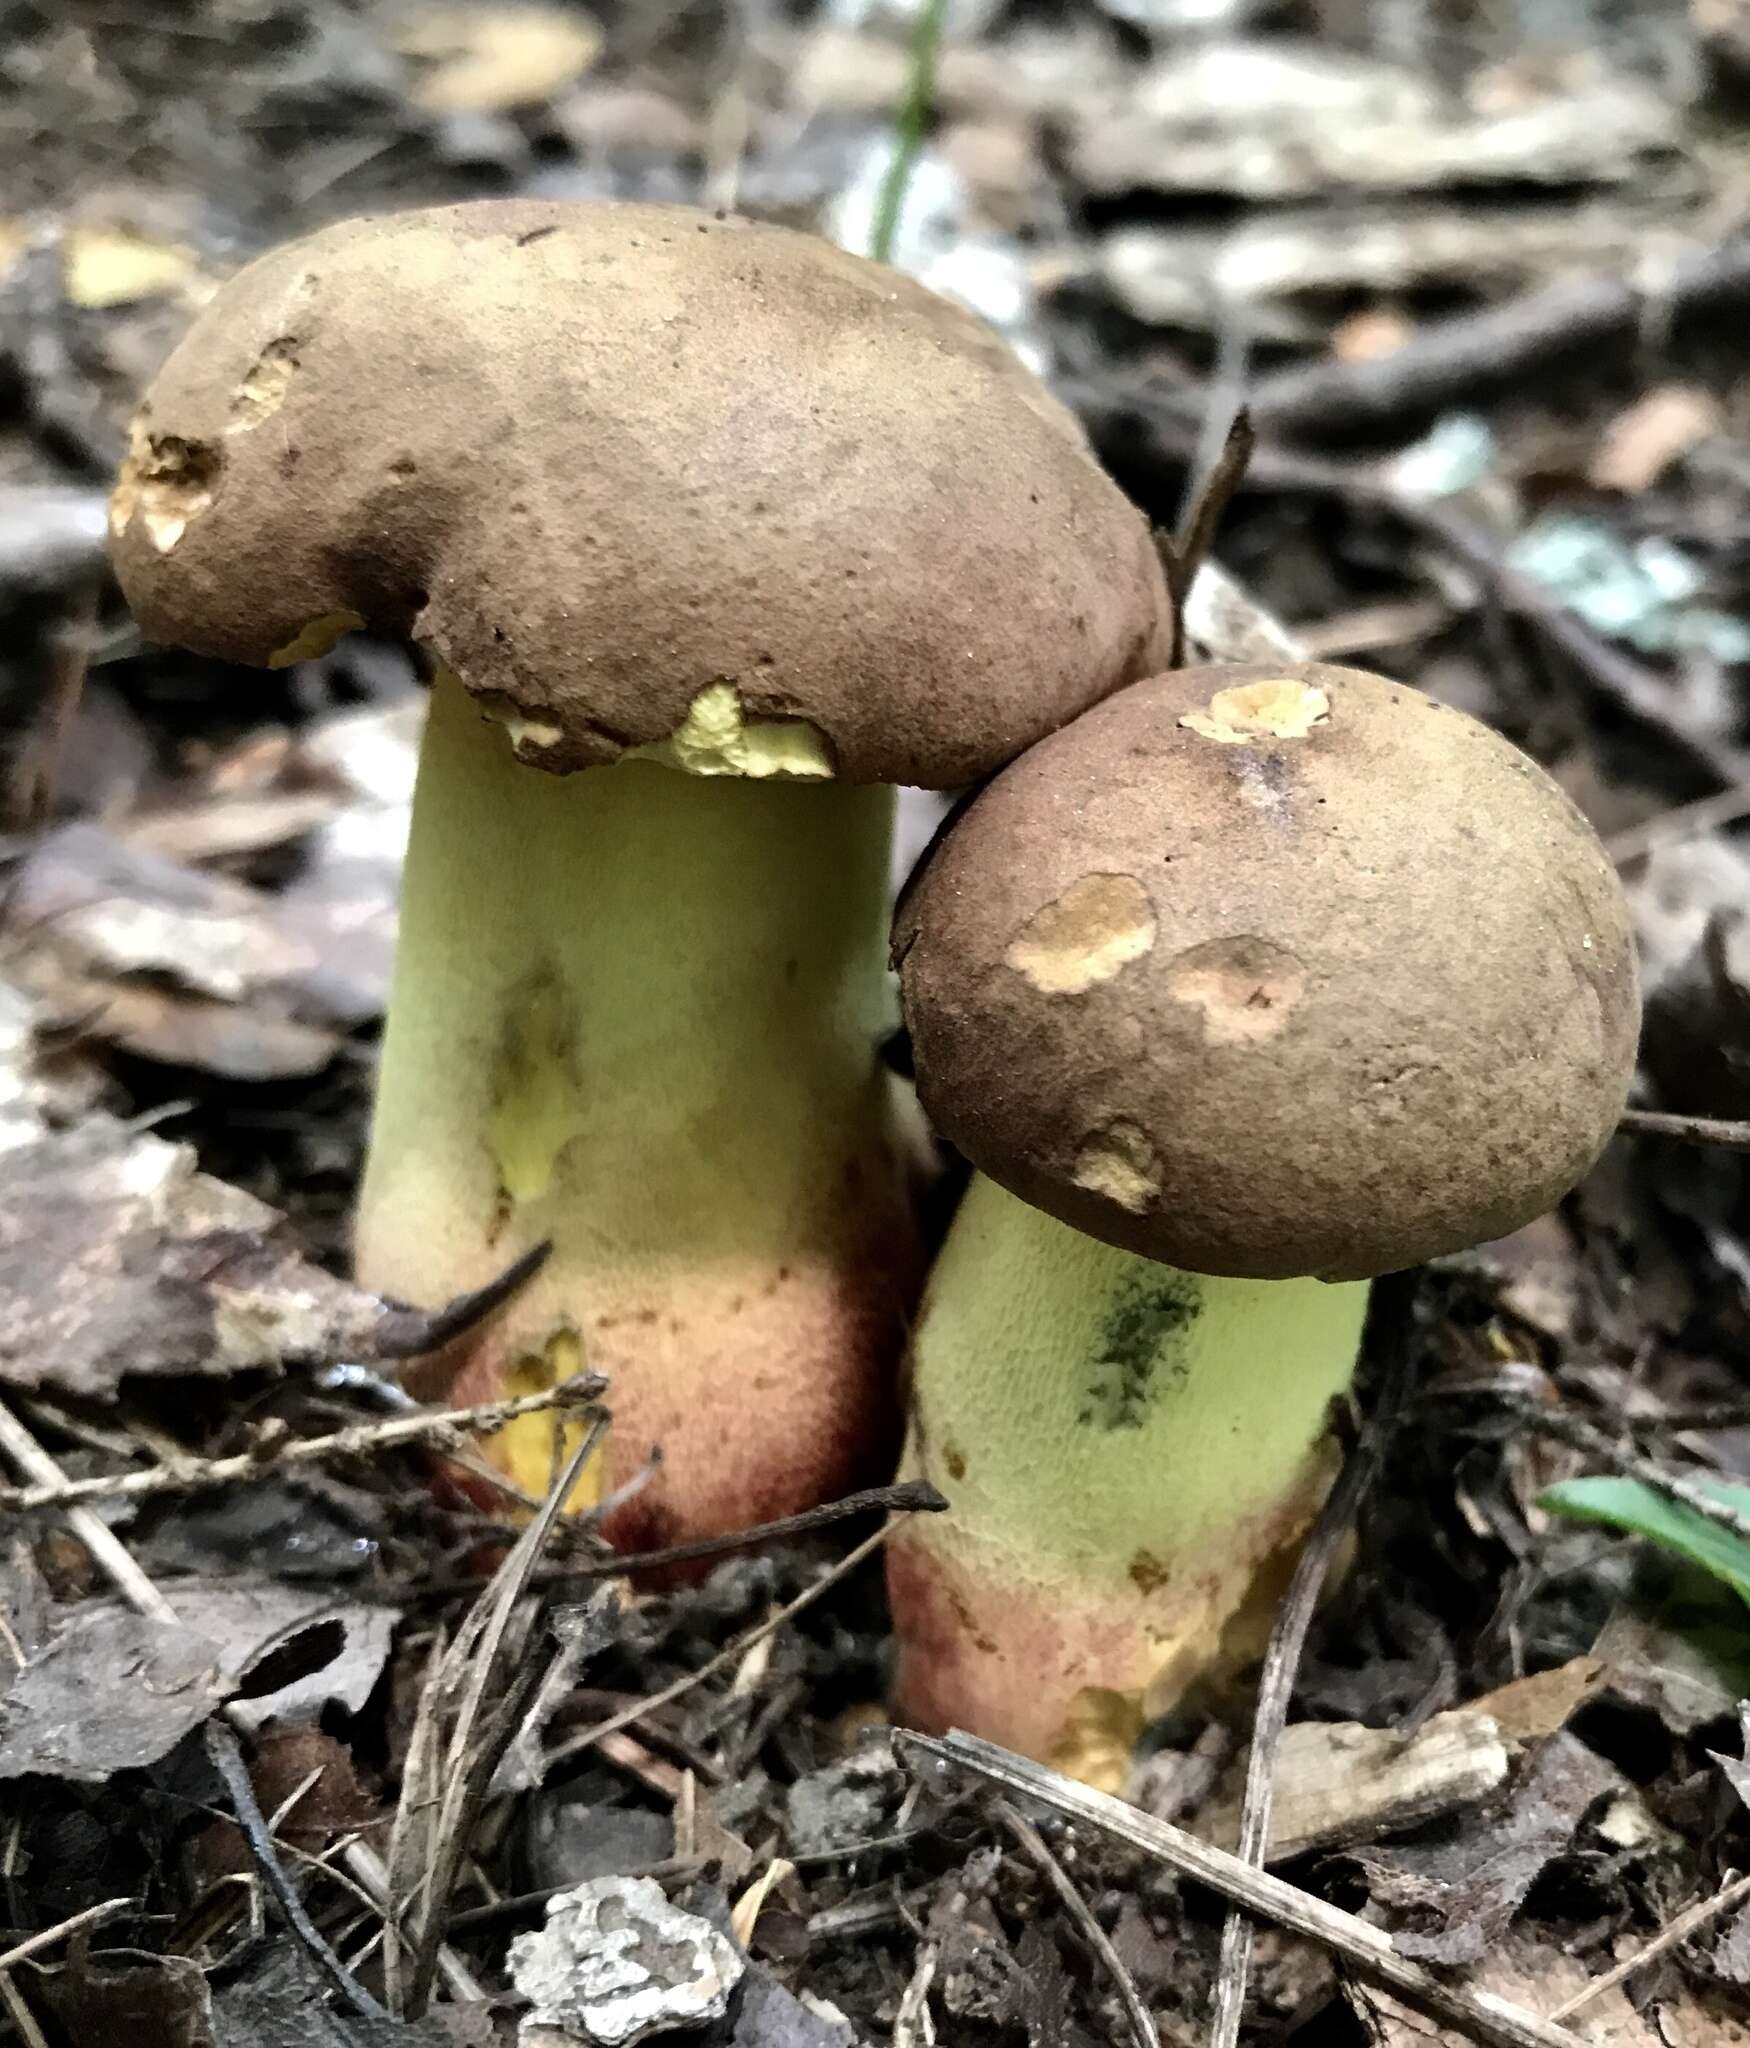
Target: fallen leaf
(123, 1996)
(1660, 428)
(492, 59)
(118, 1257)
(1454, 1897)
(115, 266)
(1681, 1652)
(1527, 1710)
(113, 1690)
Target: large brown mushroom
(710, 533)
(1248, 986)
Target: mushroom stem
(1130, 1455)
(636, 1013)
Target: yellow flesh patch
(1279, 708)
(533, 1448)
(318, 637)
(717, 738)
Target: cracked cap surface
(604, 460)
(1271, 971)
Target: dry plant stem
(1393, 1310)
(28, 2031)
(478, 1736)
(1480, 2015)
(731, 1654)
(226, 1753)
(1730, 1135)
(909, 1497)
(1672, 827)
(35, 1944)
(361, 1441)
(113, 1558)
(1597, 1443)
(1142, 2027)
(1449, 360)
(1690, 1921)
(1184, 554)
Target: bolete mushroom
(1248, 986)
(711, 533)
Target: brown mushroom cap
(1267, 972)
(601, 458)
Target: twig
(113, 1558)
(1729, 1135)
(1682, 821)
(193, 1475)
(34, 1944)
(1393, 1311)
(227, 1756)
(20, 2014)
(1142, 2026)
(909, 1497)
(471, 1758)
(1495, 2022)
(1185, 553)
(1688, 1922)
(1597, 1443)
(1448, 360)
(412, 1332)
(730, 1654)
(914, 117)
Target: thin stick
(731, 1654)
(113, 1558)
(909, 1497)
(1393, 1310)
(1493, 2021)
(13, 1999)
(1683, 821)
(1597, 1443)
(194, 1475)
(1090, 1930)
(1729, 1134)
(36, 1943)
(226, 1753)
(1688, 1922)
(1183, 556)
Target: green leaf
(1637, 1509)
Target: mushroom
(1250, 985)
(710, 534)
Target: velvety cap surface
(1273, 971)
(625, 467)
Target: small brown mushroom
(1289, 976)
(745, 529)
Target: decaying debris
(616, 1963)
(119, 1258)
(114, 1690)
(1338, 1782)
